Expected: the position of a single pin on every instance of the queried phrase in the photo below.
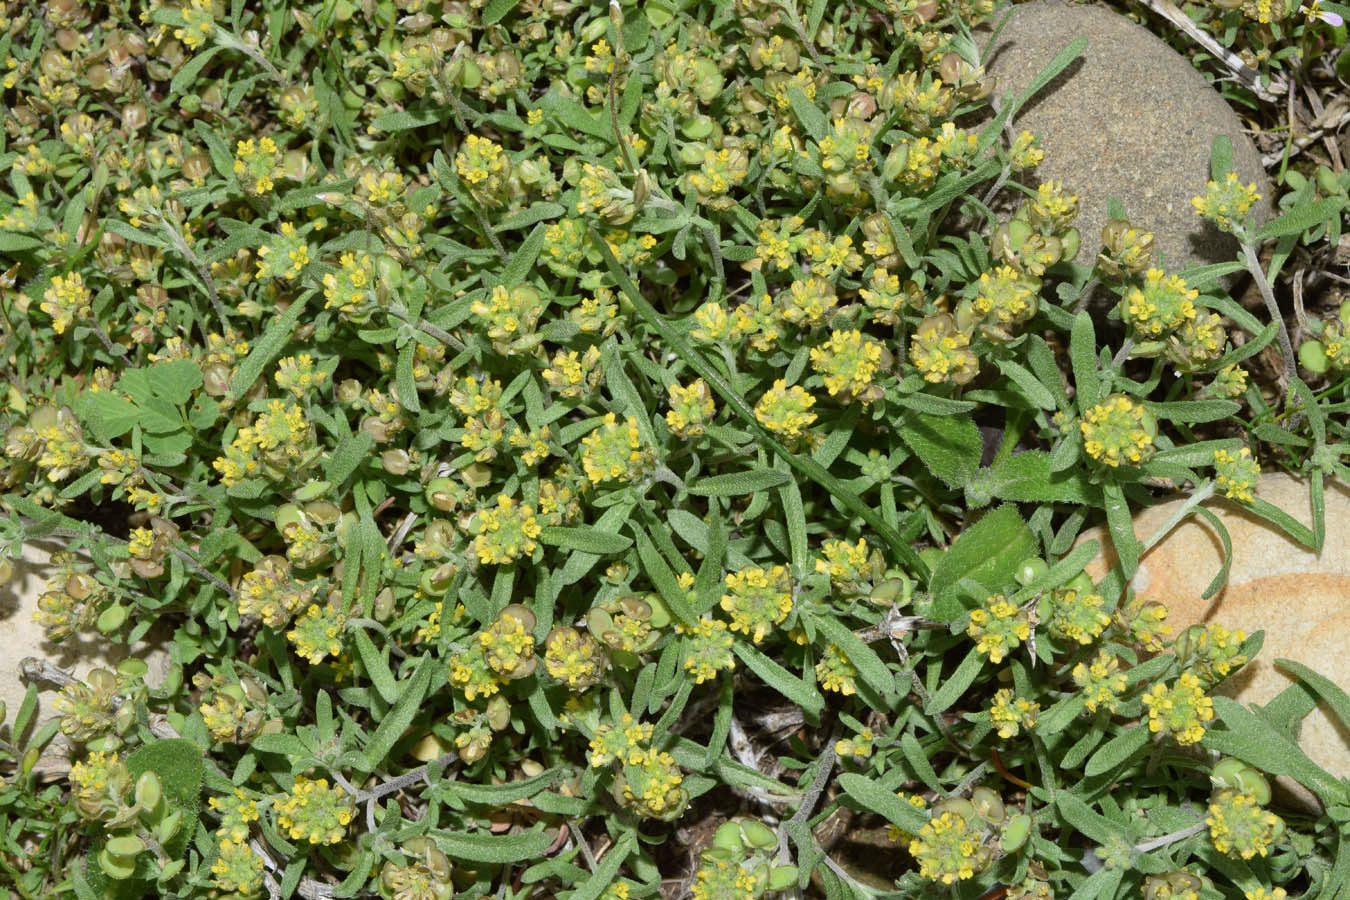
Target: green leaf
(575, 116)
(109, 415)
(1027, 478)
(884, 802)
(780, 679)
(391, 727)
(523, 257)
(956, 684)
(496, 10)
(376, 667)
(1260, 744)
(1057, 64)
(660, 575)
(1301, 218)
(1121, 525)
(178, 764)
(1221, 578)
(1036, 392)
(1085, 819)
(813, 120)
(1220, 157)
(918, 761)
(1117, 750)
(1327, 689)
(987, 552)
(871, 669)
(1083, 358)
(182, 80)
(498, 794)
(350, 453)
(949, 446)
(407, 120)
(1282, 520)
(607, 871)
(588, 539)
(1193, 410)
(537, 212)
(403, 377)
(738, 484)
(11, 242)
(266, 348)
(175, 380)
(493, 849)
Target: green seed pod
(476, 475)
(312, 490)
(436, 582)
(1251, 781)
(1344, 313)
(440, 494)
(1029, 570)
(390, 91)
(698, 127)
(988, 805)
(1082, 583)
(30, 760)
(116, 867)
(692, 154)
(782, 878)
(891, 592)
(124, 718)
(757, 834)
(149, 791)
(727, 838)
(959, 805)
(288, 516)
(170, 869)
(111, 619)
(1071, 241)
(1313, 356)
(168, 826)
(1015, 833)
(125, 845)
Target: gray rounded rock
(1130, 118)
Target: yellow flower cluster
(1118, 430)
(757, 600)
(66, 300)
(615, 452)
(785, 410)
(314, 812)
(836, 672)
(1236, 474)
(505, 533)
(998, 626)
(1009, 715)
(257, 164)
(1163, 303)
(1180, 711)
(1239, 827)
(707, 649)
(1101, 681)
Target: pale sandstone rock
(22, 637)
(1299, 598)
(1130, 118)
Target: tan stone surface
(21, 637)
(1299, 598)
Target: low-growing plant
(587, 450)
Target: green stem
(1200, 495)
(1286, 346)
